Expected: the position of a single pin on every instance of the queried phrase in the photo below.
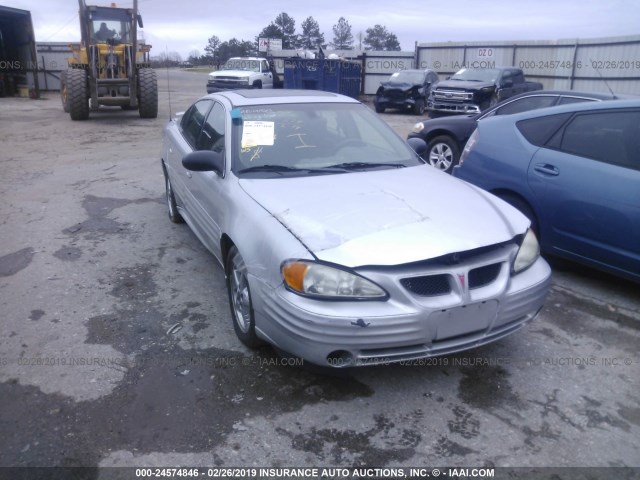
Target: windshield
(309, 139)
(242, 64)
(407, 77)
(484, 75)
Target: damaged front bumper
(407, 326)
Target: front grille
(452, 95)
(396, 94)
(481, 276)
(427, 286)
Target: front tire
(77, 94)
(240, 299)
(172, 206)
(418, 107)
(443, 153)
(147, 93)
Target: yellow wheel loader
(109, 67)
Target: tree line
(309, 38)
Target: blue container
(329, 75)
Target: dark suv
(446, 136)
(406, 90)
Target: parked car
(446, 136)
(406, 90)
(332, 236)
(574, 171)
(243, 72)
(475, 90)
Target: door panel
(590, 208)
(207, 187)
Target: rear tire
(147, 93)
(77, 94)
(244, 322)
(64, 94)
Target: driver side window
(193, 120)
(212, 136)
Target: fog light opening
(340, 358)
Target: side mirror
(204, 161)
(139, 18)
(418, 145)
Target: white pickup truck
(242, 72)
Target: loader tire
(64, 94)
(147, 93)
(77, 94)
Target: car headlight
(418, 127)
(528, 253)
(327, 282)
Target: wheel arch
(505, 193)
(225, 245)
(440, 132)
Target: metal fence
(52, 60)
(588, 65)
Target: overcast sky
(184, 26)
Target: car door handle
(546, 169)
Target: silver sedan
(339, 245)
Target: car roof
(413, 70)
(247, 58)
(569, 93)
(570, 108)
(240, 98)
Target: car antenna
(168, 83)
(603, 79)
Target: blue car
(574, 171)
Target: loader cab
(110, 25)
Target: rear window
(540, 129)
(526, 104)
(611, 137)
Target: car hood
(386, 217)
(463, 85)
(404, 86)
(231, 73)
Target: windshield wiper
(365, 165)
(281, 169)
